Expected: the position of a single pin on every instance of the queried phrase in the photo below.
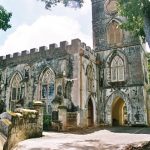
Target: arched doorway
(119, 112)
(90, 113)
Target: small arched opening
(119, 112)
(90, 113)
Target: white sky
(33, 26)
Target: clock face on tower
(111, 7)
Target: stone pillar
(63, 116)
(38, 106)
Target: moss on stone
(6, 122)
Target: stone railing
(22, 124)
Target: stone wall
(132, 57)
(148, 108)
(71, 119)
(132, 87)
(67, 62)
(87, 58)
(110, 41)
(22, 124)
(100, 22)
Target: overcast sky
(34, 26)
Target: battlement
(52, 51)
(75, 43)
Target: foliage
(134, 11)
(2, 106)
(46, 122)
(5, 16)
(70, 3)
(4, 19)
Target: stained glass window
(51, 89)
(48, 80)
(44, 91)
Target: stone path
(98, 140)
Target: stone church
(80, 86)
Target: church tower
(121, 71)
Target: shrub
(46, 122)
(2, 106)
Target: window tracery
(16, 92)
(16, 88)
(117, 69)
(48, 84)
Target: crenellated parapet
(51, 52)
(87, 52)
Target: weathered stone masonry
(114, 45)
(21, 124)
(29, 73)
(80, 86)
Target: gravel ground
(97, 140)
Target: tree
(4, 19)
(71, 3)
(137, 13)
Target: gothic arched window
(16, 92)
(16, 88)
(90, 78)
(48, 80)
(114, 33)
(117, 69)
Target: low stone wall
(71, 119)
(5, 123)
(22, 124)
(66, 120)
(2, 140)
